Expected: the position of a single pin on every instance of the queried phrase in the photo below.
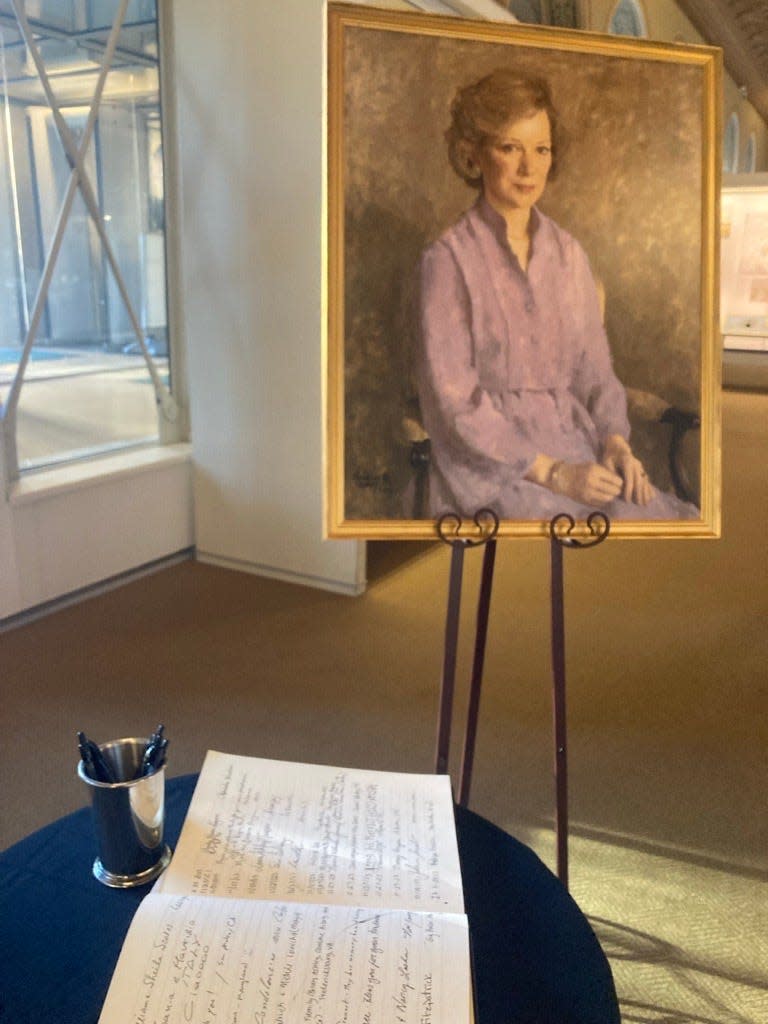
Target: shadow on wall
(379, 350)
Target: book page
(196, 960)
(262, 829)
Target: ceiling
(72, 59)
(740, 27)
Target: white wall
(72, 527)
(65, 529)
(249, 111)
(246, 98)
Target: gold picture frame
(638, 188)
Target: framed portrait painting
(522, 262)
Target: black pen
(158, 758)
(156, 736)
(86, 755)
(146, 761)
(154, 754)
(95, 763)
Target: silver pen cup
(128, 817)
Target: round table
(536, 959)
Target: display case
(744, 280)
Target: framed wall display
(522, 278)
(744, 266)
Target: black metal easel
(561, 536)
(484, 531)
(449, 529)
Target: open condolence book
(302, 894)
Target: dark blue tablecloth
(535, 957)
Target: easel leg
(449, 658)
(481, 634)
(560, 535)
(559, 711)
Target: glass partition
(744, 268)
(87, 386)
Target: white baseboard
(94, 590)
(271, 572)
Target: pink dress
(514, 364)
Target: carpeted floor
(667, 653)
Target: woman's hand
(589, 483)
(618, 458)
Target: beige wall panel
(251, 153)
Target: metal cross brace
(78, 180)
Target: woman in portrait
(516, 385)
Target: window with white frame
(731, 144)
(84, 365)
(628, 19)
(750, 154)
